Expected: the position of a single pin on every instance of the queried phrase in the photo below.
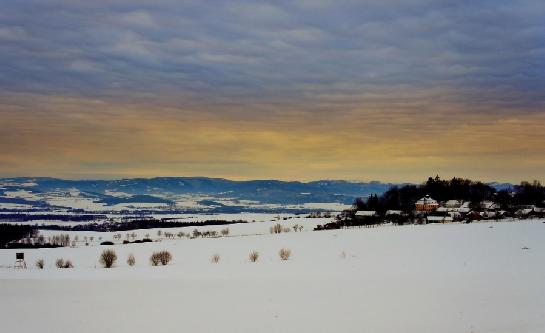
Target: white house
(453, 203)
(455, 206)
(489, 205)
(524, 212)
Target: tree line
(404, 197)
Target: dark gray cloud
(478, 51)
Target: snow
(261, 226)
(89, 202)
(366, 213)
(23, 194)
(75, 202)
(12, 206)
(333, 206)
(92, 205)
(13, 183)
(118, 194)
(480, 277)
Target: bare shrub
(61, 263)
(166, 257)
(154, 259)
(40, 263)
(254, 255)
(286, 230)
(225, 232)
(161, 257)
(131, 260)
(108, 258)
(215, 258)
(284, 254)
(297, 228)
(276, 229)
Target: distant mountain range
(185, 193)
(215, 192)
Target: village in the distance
(28, 210)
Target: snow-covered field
(481, 277)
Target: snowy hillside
(479, 277)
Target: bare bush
(286, 230)
(225, 232)
(254, 255)
(215, 258)
(61, 263)
(131, 260)
(276, 229)
(154, 259)
(284, 254)
(40, 263)
(108, 258)
(161, 257)
(297, 228)
(166, 257)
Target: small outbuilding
(366, 213)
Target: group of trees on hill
(404, 197)
(12, 232)
(525, 194)
(148, 223)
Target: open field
(481, 277)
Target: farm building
(426, 204)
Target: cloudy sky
(394, 90)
